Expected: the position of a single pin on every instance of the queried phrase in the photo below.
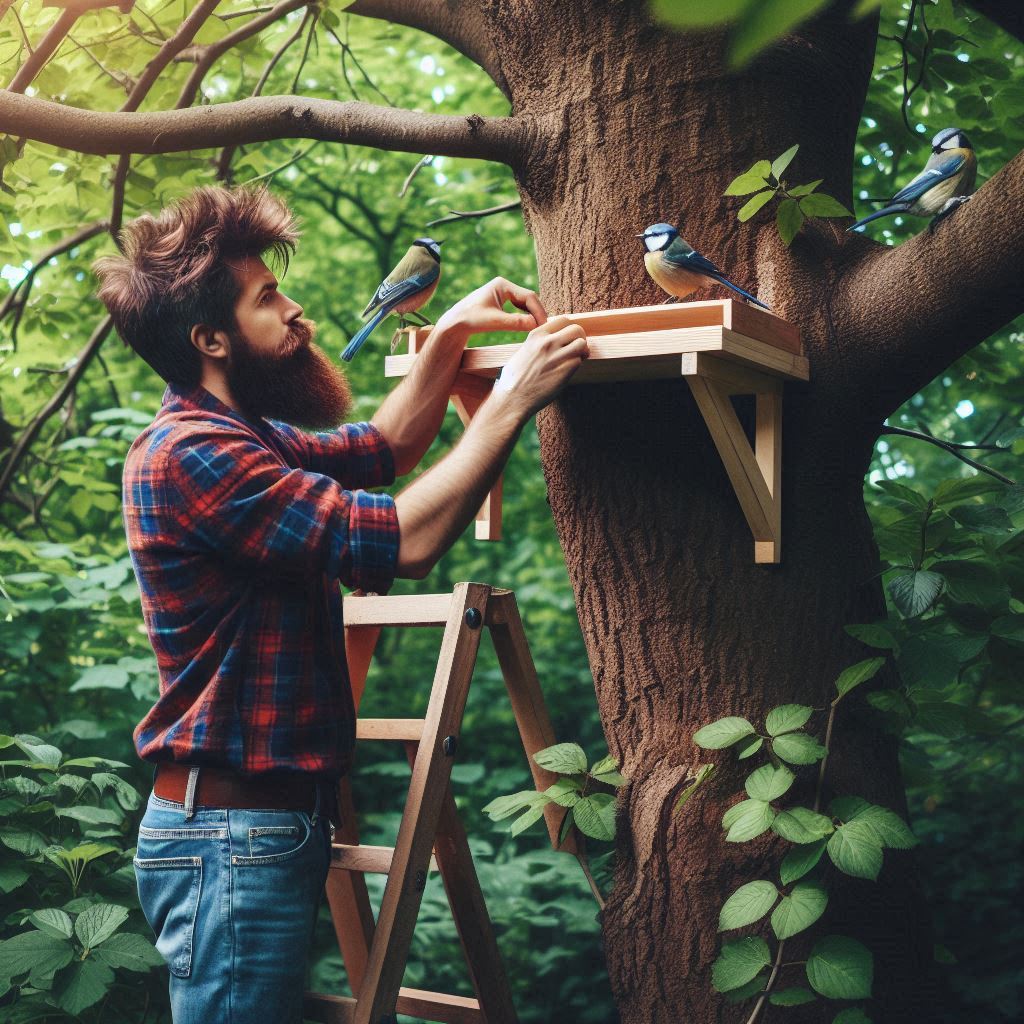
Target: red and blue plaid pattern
(239, 531)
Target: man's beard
(299, 384)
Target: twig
(585, 864)
(952, 448)
(305, 52)
(277, 170)
(467, 214)
(771, 981)
(424, 161)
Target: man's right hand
(548, 358)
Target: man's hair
(173, 272)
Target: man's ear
(210, 342)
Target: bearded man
(245, 504)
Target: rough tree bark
(617, 123)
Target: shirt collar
(177, 397)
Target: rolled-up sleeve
(355, 455)
(237, 500)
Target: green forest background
(76, 669)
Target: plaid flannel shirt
(239, 531)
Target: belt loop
(190, 791)
(315, 816)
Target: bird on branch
(678, 268)
(404, 291)
(945, 184)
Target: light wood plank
(401, 610)
(488, 517)
(768, 452)
(734, 378)
(629, 351)
(373, 859)
(435, 1006)
(389, 728)
(737, 456)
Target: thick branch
(918, 308)
(459, 23)
(502, 139)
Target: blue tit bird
(946, 182)
(677, 268)
(405, 290)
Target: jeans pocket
(169, 890)
(274, 837)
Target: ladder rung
(417, 610)
(389, 729)
(416, 1002)
(374, 859)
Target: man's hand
(551, 354)
(482, 310)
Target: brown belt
(291, 791)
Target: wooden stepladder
(431, 834)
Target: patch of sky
(438, 94)
(964, 408)
(866, 160)
(964, 58)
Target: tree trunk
(680, 625)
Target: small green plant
(764, 181)
(587, 796)
(853, 833)
(65, 856)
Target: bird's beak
(440, 241)
(643, 234)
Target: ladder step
(389, 729)
(375, 859)
(415, 1002)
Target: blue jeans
(232, 896)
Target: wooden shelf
(721, 347)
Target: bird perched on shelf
(677, 268)
(405, 290)
(946, 182)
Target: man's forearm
(436, 507)
(411, 415)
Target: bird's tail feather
(362, 334)
(739, 291)
(887, 211)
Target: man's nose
(295, 311)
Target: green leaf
(914, 593)
(606, 764)
(780, 163)
(12, 877)
(854, 675)
(505, 806)
(744, 992)
(840, 968)
(749, 181)
(91, 815)
(769, 783)
(766, 21)
(800, 860)
(749, 903)
(802, 825)
(798, 748)
(974, 583)
(22, 840)
(37, 750)
(851, 1015)
(33, 951)
(748, 747)
(564, 792)
(130, 951)
(751, 206)
(754, 819)
(567, 758)
(739, 962)
(888, 826)
(527, 818)
(723, 733)
(804, 190)
(787, 718)
(873, 634)
(127, 796)
(84, 983)
(101, 677)
(818, 204)
(671, 12)
(53, 922)
(789, 218)
(855, 849)
(595, 816)
(952, 492)
(99, 922)
(791, 997)
(799, 910)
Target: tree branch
(503, 139)
(515, 204)
(918, 308)
(459, 23)
(955, 450)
